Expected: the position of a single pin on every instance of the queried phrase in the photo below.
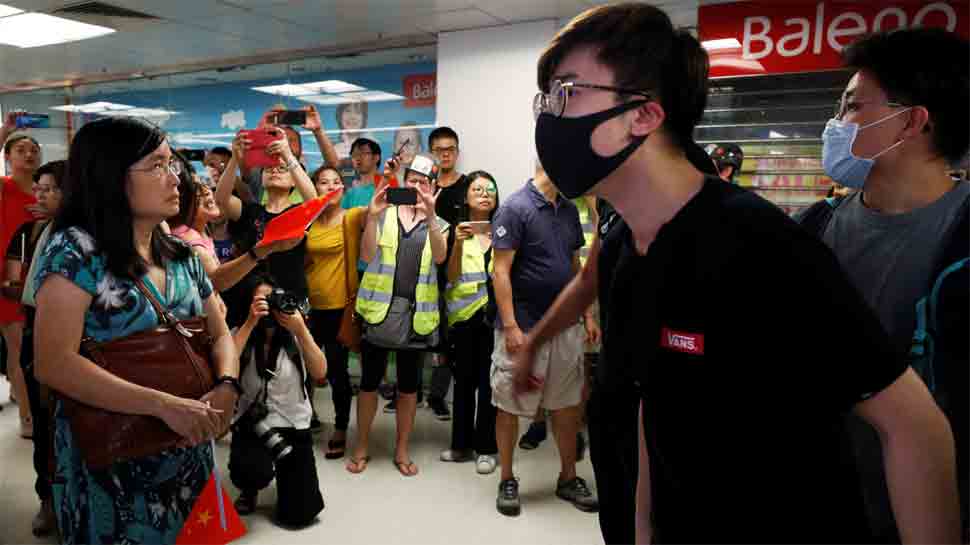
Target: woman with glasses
(120, 186)
(398, 300)
(469, 297)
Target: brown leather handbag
(349, 334)
(174, 357)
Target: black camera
(272, 440)
(281, 301)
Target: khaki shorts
(559, 363)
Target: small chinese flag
(213, 520)
(294, 222)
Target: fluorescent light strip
(6, 11)
(39, 29)
(723, 43)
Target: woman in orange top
(17, 206)
(331, 268)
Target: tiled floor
(446, 503)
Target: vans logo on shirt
(679, 341)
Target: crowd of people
(603, 294)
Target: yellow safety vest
(377, 285)
(589, 230)
(469, 294)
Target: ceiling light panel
(39, 29)
(6, 10)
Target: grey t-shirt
(891, 258)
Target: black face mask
(567, 155)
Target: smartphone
(480, 227)
(193, 154)
(259, 139)
(291, 117)
(402, 196)
(33, 121)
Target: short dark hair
(922, 67)
(441, 132)
(95, 199)
(299, 139)
(341, 108)
(55, 168)
(374, 147)
(644, 50)
(12, 141)
(220, 150)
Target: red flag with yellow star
(207, 523)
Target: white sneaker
(486, 464)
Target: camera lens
(272, 440)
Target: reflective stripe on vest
(589, 232)
(469, 294)
(377, 285)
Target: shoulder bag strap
(349, 268)
(164, 316)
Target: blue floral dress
(139, 501)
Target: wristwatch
(232, 381)
(292, 164)
(252, 253)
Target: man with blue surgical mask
(900, 125)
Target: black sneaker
(507, 502)
(440, 408)
(391, 407)
(580, 446)
(245, 504)
(534, 436)
(577, 493)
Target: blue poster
(389, 104)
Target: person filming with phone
(470, 300)
(403, 244)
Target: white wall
(486, 83)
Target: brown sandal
(357, 466)
(407, 469)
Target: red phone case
(259, 140)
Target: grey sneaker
(508, 498)
(486, 464)
(577, 493)
(451, 455)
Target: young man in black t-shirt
(742, 436)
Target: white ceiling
(195, 35)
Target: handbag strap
(163, 315)
(348, 266)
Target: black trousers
(39, 413)
(373, 363)
(471, 356)
(324, 326)
(252, 468)
(613, 424)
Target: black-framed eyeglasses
(554, 102)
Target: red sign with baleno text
(420, 90)
(754, 38)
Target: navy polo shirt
(545, 237)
